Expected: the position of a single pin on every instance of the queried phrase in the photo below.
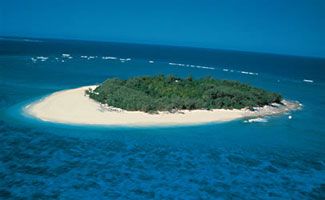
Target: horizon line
(39, 39)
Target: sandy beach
(74, 107)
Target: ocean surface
(277, 158)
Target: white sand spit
(74, 107)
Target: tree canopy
(167, 93)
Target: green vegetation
(167, 93)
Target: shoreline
(72, 106)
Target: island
(159, 100)
(169, 93)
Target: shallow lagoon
(280, 158)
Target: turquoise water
(279, 159)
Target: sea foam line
(192, 66)
(212, 68)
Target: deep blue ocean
(281, 158)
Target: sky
(295, 27)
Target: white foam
(108, 58)
(151, 61)
(190, 65)
(66, 55)
(125, 59)
(177, 64)
(308, 81)
(204, 67)
(41, 58)
(248, 73)
(259, 120)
